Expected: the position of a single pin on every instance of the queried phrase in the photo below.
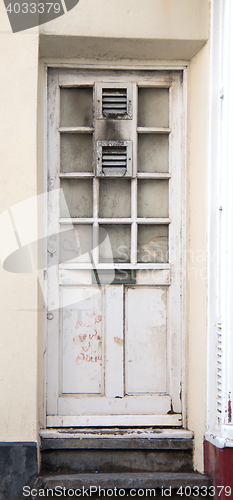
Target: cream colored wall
(197, 220)
(18, 299)
(161, 19)
(132, 29)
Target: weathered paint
(141, 372)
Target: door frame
(183, 211)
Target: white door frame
(140, 420)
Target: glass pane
(114, 198)
(76, 107)
(152, 198)
(76, 153)
(116, 245)
(77, 201)
(152, 153)
(75, 243)
(153, 107)
(152, 243)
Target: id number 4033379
(203, 491)
(33, 8)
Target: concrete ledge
(110, 49)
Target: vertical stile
(53, 228)
(175, 250)
(134, 224)
(134, 180)
(170, 164)
(95, 251)
(135, 135)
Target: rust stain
(229, 409)
(118, 341)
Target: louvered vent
(114, 158)
(114, 102)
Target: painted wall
(197, 221)
(161, 19)
(18, 292)
(119, 29)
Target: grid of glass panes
(118, 220)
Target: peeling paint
(118, 341)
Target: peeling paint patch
(118, 341)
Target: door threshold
(112, 433)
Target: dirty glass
(76, 107)
(76, 153)
(116, 245)
(114, 198)
(153, 107)
(77, 201)
(152, 243)
(75, 243)
(152, 198)
(152, 153)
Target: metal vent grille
(114, 157)
(114, 102)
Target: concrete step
(116, 450)
(125, 480)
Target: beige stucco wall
(161, 19)
(197, 221)
(132, 29)
(18, 293)
(152, 31)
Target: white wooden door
(114, 288)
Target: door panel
(146, 340)
(81, 346)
